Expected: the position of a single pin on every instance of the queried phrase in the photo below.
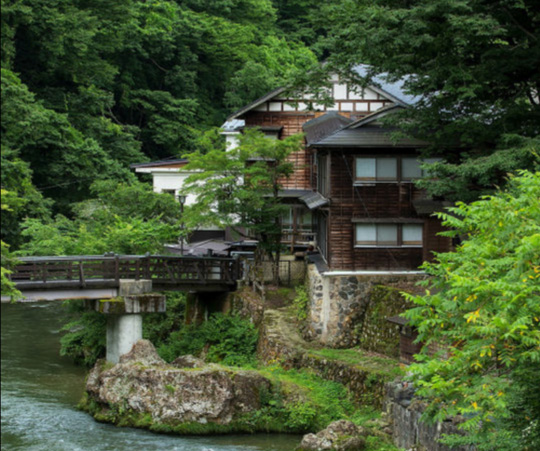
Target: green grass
(319, 401)
(361, 359)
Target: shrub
(226, 339)
(301, 303)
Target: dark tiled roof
(322, 126)
(374, 137)
(294, 193)
(429, 206)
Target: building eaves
(368, 137)
(322, 126)
(373, 117)
(160, 163)
(392, 90)
(255, 103)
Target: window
(323, 179)
(171, 192)
(376, 169)
(410, 167)
(389, 169)
(411, 234)
(388, 235)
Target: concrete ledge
(371, 273)
(137, 303)
(129, 287)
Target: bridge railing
(90, 270)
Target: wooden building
(352, 186)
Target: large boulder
(143, 352)
(143, 384)
(187, 361)
(340, 435)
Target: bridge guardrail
(164, 271)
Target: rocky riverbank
(185, 396)
(188, 396)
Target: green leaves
(239, 188)
(473, 64)
(126, 219)
(485, 307)
(91, 87)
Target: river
(40, 391)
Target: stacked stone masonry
(350, 310)
(404, 411)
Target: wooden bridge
(92, 277)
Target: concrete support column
(125, 315)
(123, 331)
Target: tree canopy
(239, 187)
(121, 218)
(89, 87)
(482, 308)
(474, 66)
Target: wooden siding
(380, 200)
(292, 124)
(433, 242)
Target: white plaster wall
(174, 179)
(231, 140)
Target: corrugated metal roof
(233, 125)
(201, 248)
(367, 136)
(314, 200)
(392, 89)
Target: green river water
(40, 391)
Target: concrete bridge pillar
(199, 306)
(124, 322)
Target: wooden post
(117, 269)
(81, 275)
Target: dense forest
(91, 87)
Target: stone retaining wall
(403, 411)
(279, 341)
(246, 304)
(350, 310)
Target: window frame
(399, 169)
(399, 232)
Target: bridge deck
(171, 273)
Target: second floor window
(389, 169)
(388, 235)
(376, 169)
